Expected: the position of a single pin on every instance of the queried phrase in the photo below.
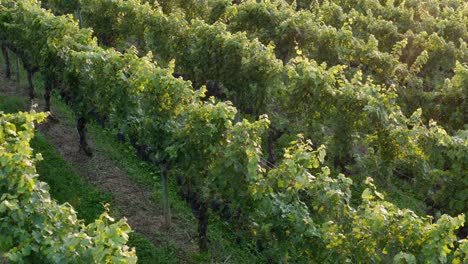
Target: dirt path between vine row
(133, 201)
(10, 87)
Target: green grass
(66, 185)
(148, 253)
(12, 104)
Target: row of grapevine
(230, 65)
(407, 61)
(412, 45)
(33, 227)
(335, 106)
(368, 134)
(299, 210)
(417, 48)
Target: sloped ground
(131, 200)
